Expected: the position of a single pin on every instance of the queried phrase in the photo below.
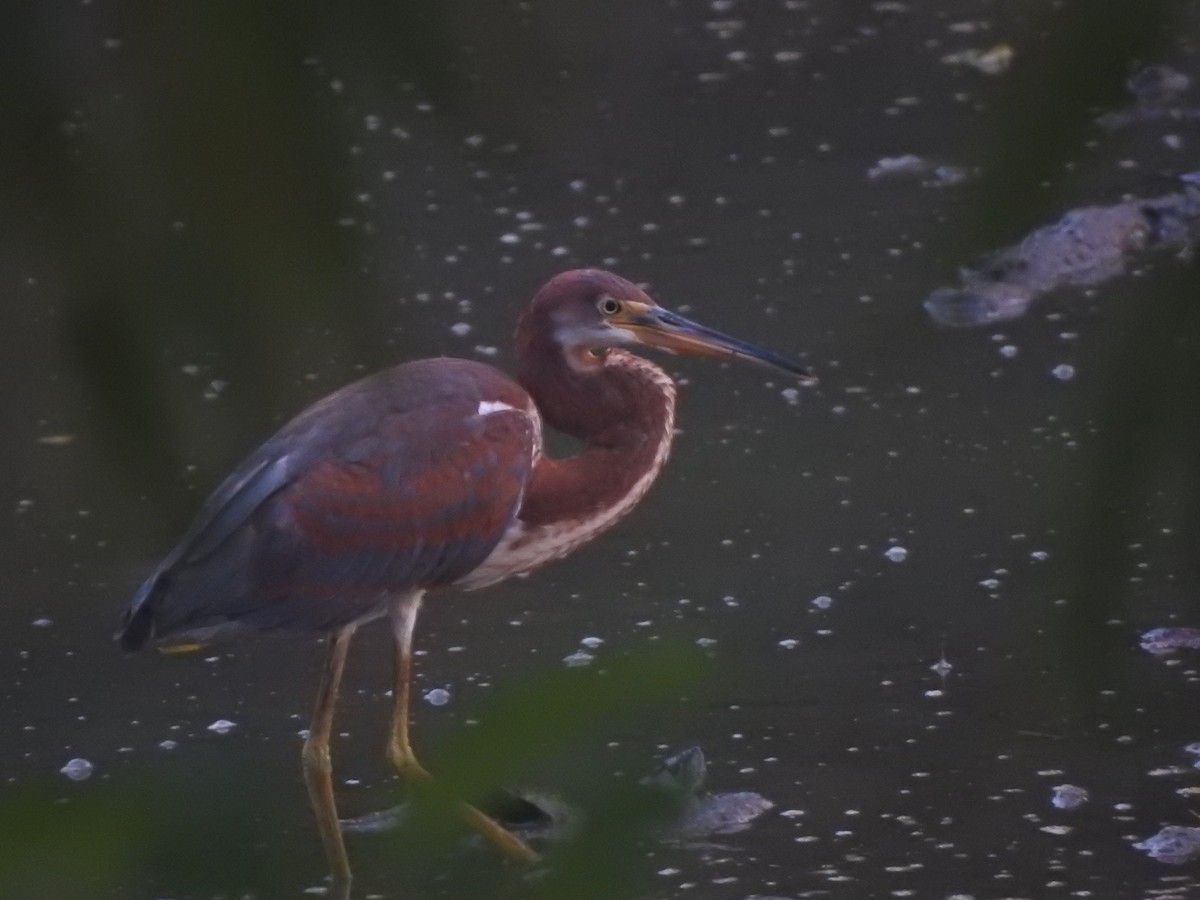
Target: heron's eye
(608, 306)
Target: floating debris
(56, 440)
(1057, 829)
(993, 61)
(908, 164)
(578, 658)
(1158, 86)
(1069, 796)
(78, 769)
(1158, 93)
(1174, 844)
(1163, 641)
(215, 388)
(1085, 247)
(911, 166)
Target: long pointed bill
(658, 327)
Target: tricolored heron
(426, 476)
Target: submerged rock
(1162, 641)
(704, 814)
(1069, 796)
(1174, 844)
(1086, 247)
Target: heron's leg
(400, 751)
(318, 770)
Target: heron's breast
(526, 546)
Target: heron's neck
(623, 410)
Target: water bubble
(1063, 372)
(437, 697)
(896, 554)
(78, 769)
(822, 602)
(592, 642)
(222, 726)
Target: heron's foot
(407, 766)
(497, 835)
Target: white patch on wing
(523, 548)
(487, 407)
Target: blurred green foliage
(107, 838)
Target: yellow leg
(400, 751)
(318, 769)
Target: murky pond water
(905, 605)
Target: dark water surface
(217, 216)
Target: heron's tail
(137, 628)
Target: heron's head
(588, 311)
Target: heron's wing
(226, 512)
(230, 506)
(333, 515)
(420, 503)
